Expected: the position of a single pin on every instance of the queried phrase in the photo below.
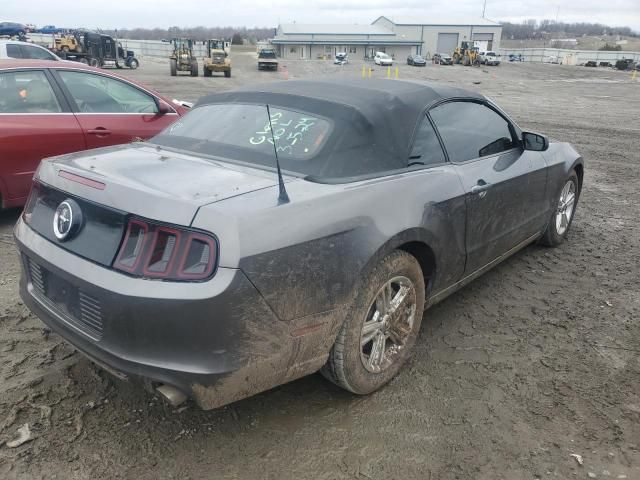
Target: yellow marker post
(363, 74)
(396, 73)
(634, 74)
(388, 72)
(370, 71)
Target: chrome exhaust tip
(172, 395)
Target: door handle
(99, 131)
(480, 187)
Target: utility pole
(484, 7)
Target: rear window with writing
(294, 135)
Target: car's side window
(100, 94)
(27, 92)
(35, 53)
(470, 130)
(13, 51)
(426, 146)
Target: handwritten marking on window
(287, 132)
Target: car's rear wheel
(562, 215)
(381, 326)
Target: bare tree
(196, 33)
(531, 29)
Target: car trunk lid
(149, 181)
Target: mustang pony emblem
(67, 220)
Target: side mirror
(534, 142)
(163, 108)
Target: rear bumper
(12, 202)
(217, 341)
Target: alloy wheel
(565, 208)
(388, 324)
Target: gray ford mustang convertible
(284, 229)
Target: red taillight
(169, 253)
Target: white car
(17, 49)
(382, 58)
(341, 58)
(489, 58)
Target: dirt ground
(537, 360)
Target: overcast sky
(165, 13)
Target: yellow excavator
(466, 54)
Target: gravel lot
(537, 360)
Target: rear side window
(471, 130)
(13, 51)
(99, 94)
(426, 146)
(35, 53)
(27, 92)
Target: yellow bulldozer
(217, 59)
(466, 54)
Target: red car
(50, 108)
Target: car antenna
(282, 197)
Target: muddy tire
(194, 69)
(206, 72)
(227, 74)
(381, 326)
(563, 213)
(173, 67)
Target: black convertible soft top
(374, 120)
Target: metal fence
(567, 56)
(157, 48)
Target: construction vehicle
(217, 59)
(66, 43)
(95, 49)
(182, 58)
(267, 59)
(624, 64)
(466, 54)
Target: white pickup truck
(489, 58)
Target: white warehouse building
(304, 41)
(397, 37)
